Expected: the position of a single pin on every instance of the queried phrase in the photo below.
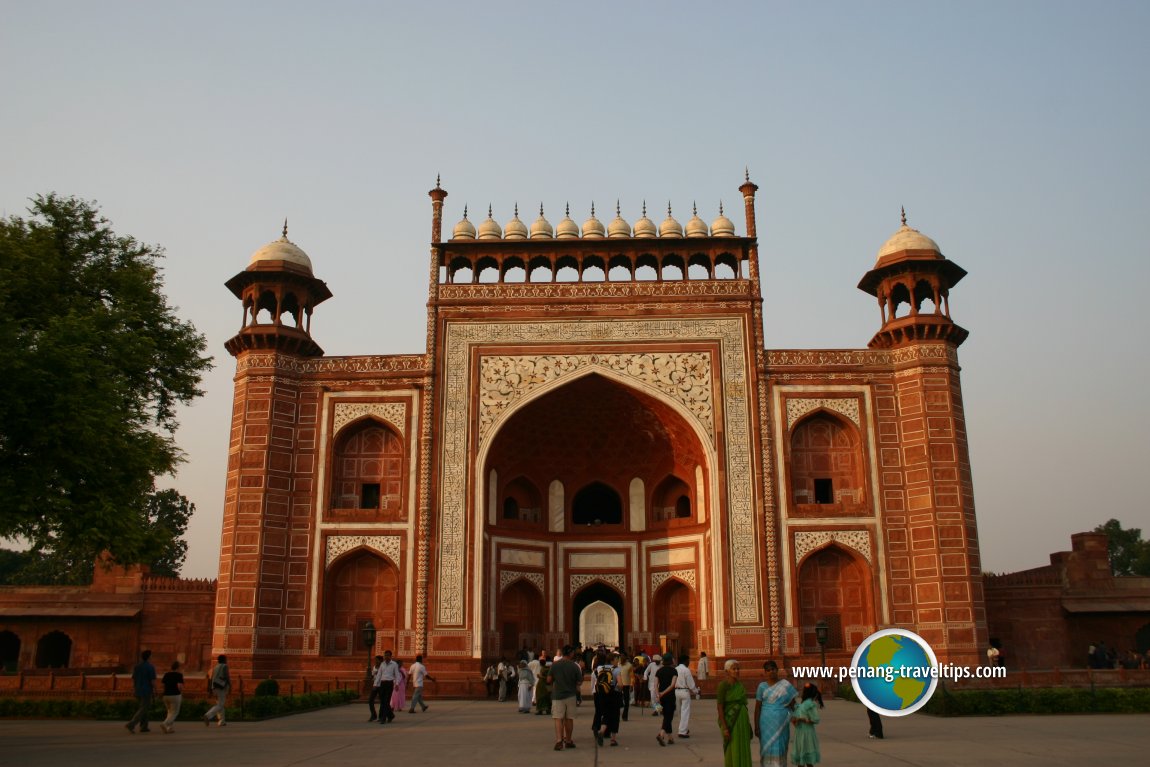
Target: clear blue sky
(1017, 135)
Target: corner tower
(271, 455)
(932, 539)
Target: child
(805, 745)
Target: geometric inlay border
(389, 546)
(806, 542)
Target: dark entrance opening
(598, 592)
(9, 651)
(54, 650)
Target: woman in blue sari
(773, 703)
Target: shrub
(268, 687)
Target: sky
(1016, 134)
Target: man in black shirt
(173, 683)
(666, 678)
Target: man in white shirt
(375, 682)
(703, 669)
(684, 688)
(388, 673)
(536, 666)
(418, 672)
(653, 686)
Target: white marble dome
(279, 250)
(593, 227)
(722, 226)
(645, 228)
(541, 228)
(696, 227)
(567, 229)
(906, 239)
(515, 229)
(618, 228)
(489, 228)
(464, 230)
(670, 227)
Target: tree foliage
(1129, 554)
(93, 363)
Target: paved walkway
(454, 733)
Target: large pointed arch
(835, 583)
(597, 592)
(359, 586)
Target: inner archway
(601, 598)
(520, 618)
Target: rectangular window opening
(824, 491)
(369, 495)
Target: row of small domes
(593, 228)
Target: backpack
(604, 680)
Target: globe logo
(894, 672)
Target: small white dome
(279, 250)
(645, 228)
(593, 227)
(618, 227)
(515, 229)
(567, 228)
(541, 228)
(696, 227)
(722, 226)
(464, 230)
(670, 227)
(489, 229)
(906, 239)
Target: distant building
(595, 446)
(1050, 616)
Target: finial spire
(720, 207)
(517, 208)
(903, 209)
(694, 209)
(644, 208)
(617, 214)
(464, 211)
(746, 174)
(285, 227)
(437, 181)
(668, 208)
(489, 210)
(592, 209)
(567, 210)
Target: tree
(1129, 554)
(93, 363)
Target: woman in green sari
(734, 722)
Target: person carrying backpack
(607, 700)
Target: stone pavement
(467, 732)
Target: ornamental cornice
(392, 413)
(847, 406)
(827, 358)
(389, 546)
(683, 376)
(305, 365)
(808, 541)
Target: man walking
(143, 684)
(685, 687)
(388, 673)
(417, 672)
(375, 682)
(566, 677)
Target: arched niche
(360, 586)
(521, 502)
(671, 500)
(835, 584)
(826, 464)
(9, 651)
(597, 503)
(675, 615)
(367, 469)
(54, 650)
(519, 616)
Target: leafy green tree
(1129, 554)
(93, 363)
